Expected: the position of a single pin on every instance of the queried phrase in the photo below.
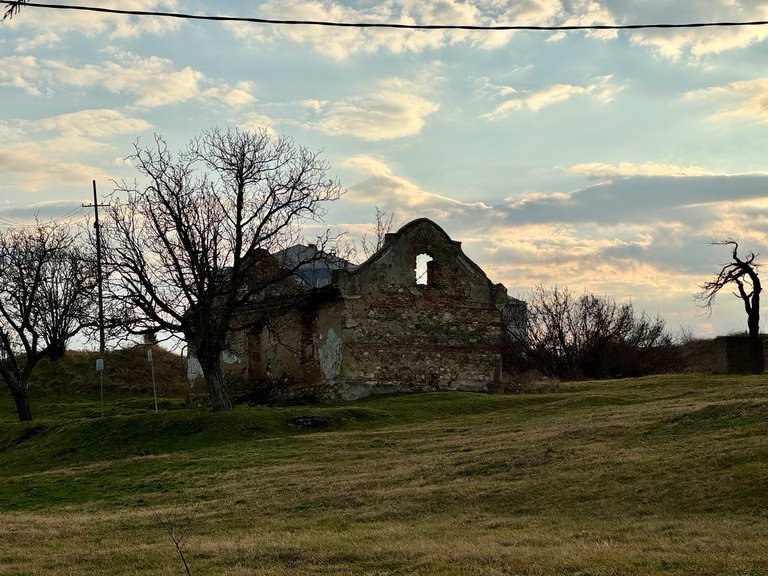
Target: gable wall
(401, 336)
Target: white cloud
(340, 43)
(29, 169)
(380, 186)
(239, 95)
(643, 199)
(602, 90)
(745, 99)
(695, 42)
(587, 13)
(89, 124)
(49, 25)
(255, 121)
(344, 42)
(380, 115)
(152, 81)
(627, 169)
(48, 154)
(46, 38)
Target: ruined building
(417, 315)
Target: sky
(606, 161)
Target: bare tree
(741, 272)
(13, 8)
(384, 223)
(190, 251)
(46, 297)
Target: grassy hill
(662, 475)
(126, 372)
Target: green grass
(662, 475)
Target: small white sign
(99, 364)
(149, 355)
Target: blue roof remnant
(314, 267)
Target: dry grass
(652, 476)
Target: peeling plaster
(330, 355)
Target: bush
(575, 337)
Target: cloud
(48, 26)
(699, 42)
(380, 115)
(91, 124)
(626, 169)
(602, 90)
(49, 154)
(745, 99)
(152, 81)
(26, 169)
(341, 43)
(640, 199)
(587, 13)
(256, 121)
(380, 186)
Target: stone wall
(733, 354)
(386, 326)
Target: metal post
(100, 360)
(154, 384)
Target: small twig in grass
(171, 530)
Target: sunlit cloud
(48, 153)
(152, 81)
(626, 169)
(255, 121)
(47, 26)
(746, 99)
(380, 115)
(602, 90)
(91, 124)
(345, 42)
(587, 13)
(697, 43)
(639, 199)
(24, 169)
(378, 185)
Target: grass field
(662, 475)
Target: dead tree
(46, 297)
(741, 272)
(190, 250)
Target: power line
(328, 23)
(70, 218)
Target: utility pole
(100, 359)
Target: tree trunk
(22, 403)
(218, 395)
(756, 347)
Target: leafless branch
(176, 533)
(13, 8)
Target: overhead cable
(328, 23)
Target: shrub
(574, 337)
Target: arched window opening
(423, 270)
